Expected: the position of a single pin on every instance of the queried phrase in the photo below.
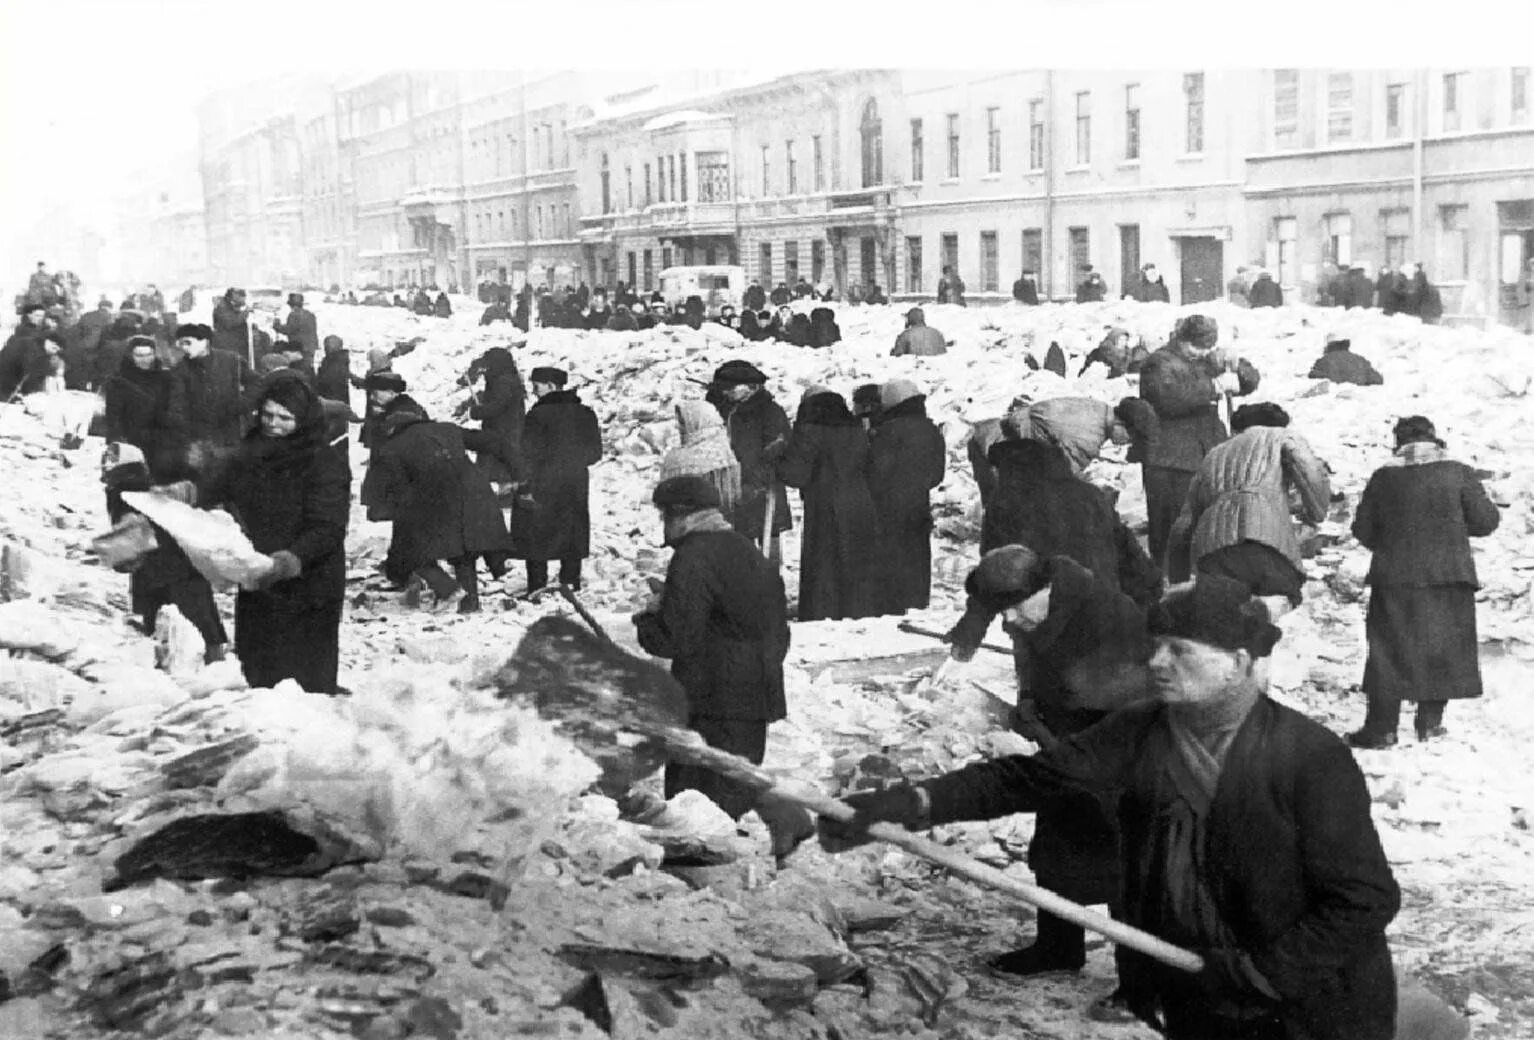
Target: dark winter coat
(951, 290)
(908, 460)
(1146, 291)
(597, 318)
(796, 331)
(723, 623)
(443, 308)
(147, 409)
(823, 330)
(333, 381)
(1024, 291)
(759, 434)
(23, 362)
(302, 332)
(1419, 520)
(755, 298)
(1388, 289)
(371, 436)
(1341, 365)
(442, 507)
(1360, 290)
(218, 392)
(1041, 503)
(1181, 390)
(1092, 290)
(828, 460)
(1422, 299)
(501, 411)
(231, 330)
(497, 311)
(919, 341)
(560, 442)
(1265, 292)
(780, 295)
(1291, 859)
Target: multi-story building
(327, 190)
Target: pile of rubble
(188, 857)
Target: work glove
(285, 566)
(904, 804)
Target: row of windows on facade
(495, 154)
(1340, 104)
(1451, 261)
(560, 224)
(666, 180)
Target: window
(953, 145)
(1286, 107)
(500, 220)
(1033, 254)
(990, 276)
(1193, 98)
(564, 140)
(918, 147)
(950, 250)
(766, 173)
(1084, 128)
(993, 140)
(1395, 109)
(606, 194)
(671, 177)
(765, 264)
(1453, 85)
(1036, 134)
(665, 258)
(648, 197)
(1286, 233)
(682, 175)
(818, 161)
(660, 178)
(871, 134)
(628, 176)
(539, 214)
(1453, 243)
(913, 264)
(817, 260)
(791, 262)
(1132, 122)
(1080, 251)
(1339, 239)
(1520, 94)
(649, 270)
(1339, 106)
(713, 176)
(791, 167)
(1396, 224)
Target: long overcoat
(759, 433)
(561, 441)
(909, 457)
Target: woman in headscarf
(828, 460)
(501, 410)
(1418, 514)
(146, 407)
(289, 490)
(705, 452)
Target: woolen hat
(1415, 428)
(1005, 576)
(688, 493)
(739, 373)
(916, 312)
(1217, 611)
(556, 376)
(194, 331)
(896, 391)
(385, 381)
(295, 299)
(1198, 330)
(288, 389)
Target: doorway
(1515, 251)
(1203, 269)
(868, 261)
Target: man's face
(1186, 671)
(1150, 274)
(36, 315)
(1027, 615)
(381, 398)
(143, 357)
(193, 347)
(739, 392)
(540, 388)
(277, 421)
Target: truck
(718, 285)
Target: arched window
(872, 132)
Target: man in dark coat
(918, 339)
(217, 387)
(501, 411)
(18, 358)
(1246, 835)
(950, 288)
(1079, 647)
(1387, 289)
(1040, 502)
(1419, 297)
(1340, 365)
(1092, 288)
(788, 327)
(146, 407)
(780, 295)
(755, 298)
(1418, 517)
(759, 433)
(1026, 290)
(443, 307)
(909, 457)
(300, 329)
(828, 460)
(551, 519)
(1184, 383)
(81, 342)
(442, 507)
(334, 378)
(721, 618)
(823, 331)
(600, 312)
(1360, 288)
(1265, 292)
(1149, 287)
(231, 326)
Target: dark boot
(1057, 946)
(1429, 720)
(467, 577)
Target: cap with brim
(739, 373)
(686, 494)
(553, 376)
(1219, 612)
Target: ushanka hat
(1415, 428)
(1198, 330)
(385, 381)
(1005, 577)
(688, 493)
(1217, 611)
(555, 376)
(737, 373)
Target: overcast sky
(93, 90)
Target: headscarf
(705, 446)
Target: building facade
(884, 176)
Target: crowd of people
(1169, 786)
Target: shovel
(605, 699)
(917, 630)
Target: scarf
(703, 521)
(1420, 453)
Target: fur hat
(544, 374)
(140, 341)
(688, 493)
(1265, 413)
(1198, 330)
(897, 390)
(1005, 577)
(1415, 428)
(194, 331)
(385, 381)
(1217, 611)
(737, 373)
